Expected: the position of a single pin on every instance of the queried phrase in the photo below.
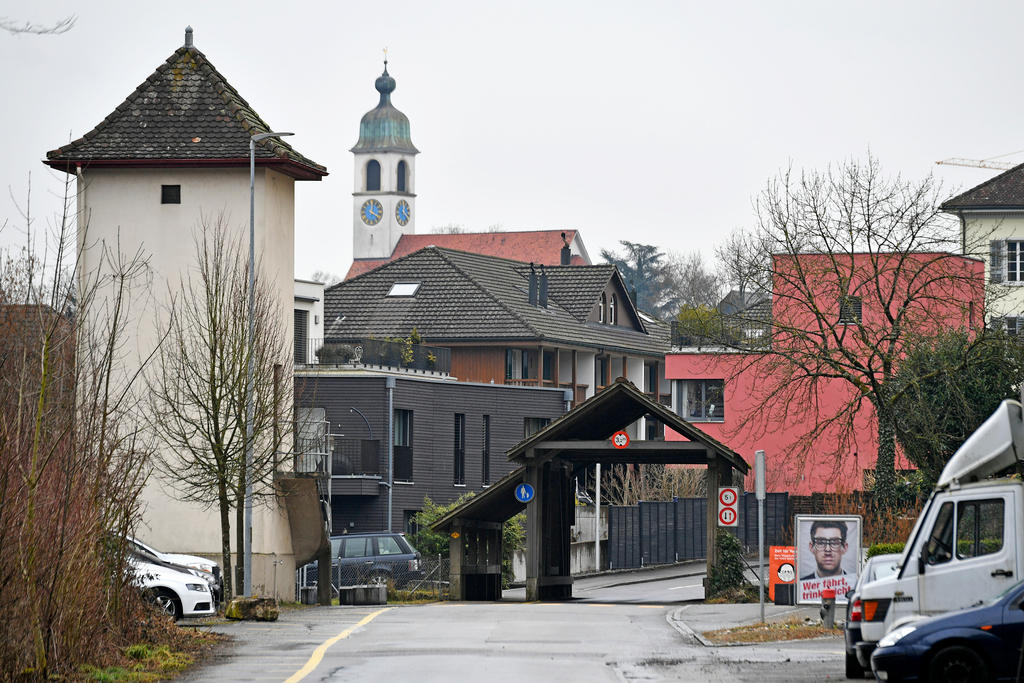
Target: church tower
(384, 197)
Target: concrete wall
(120, 210)
(982, 228)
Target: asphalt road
(597, 637)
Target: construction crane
(982, 163)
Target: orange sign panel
(781, 567)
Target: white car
(177, 593)
(210, 569)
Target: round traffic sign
(524, 493)
(620, 439)
(727, 497)
(786, 572)
(727, 516)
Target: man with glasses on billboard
(828, 545)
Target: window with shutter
(995, 261)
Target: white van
(967, 545)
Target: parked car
(377, 558)
(178, 591)
(211, 570)
(978, 644)
(858, 661)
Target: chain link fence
(429, 581)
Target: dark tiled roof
(472, 297)
(184, 112)
(1005, 191)
(577, 290)
(529, 246)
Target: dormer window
(613, 311)
(404, 289)
(601, 307)
(373, 176)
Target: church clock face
(402, 212)
(371, 212)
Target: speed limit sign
(728, 512)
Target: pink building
(830, 316)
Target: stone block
(252, 609)
(363, 595)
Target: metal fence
(431, 582)
(673, 531)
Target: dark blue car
(978, 644)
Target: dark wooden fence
(673, 531)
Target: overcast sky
(655, 122)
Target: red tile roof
(530, 246)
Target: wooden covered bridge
(549, 460)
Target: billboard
(828, 551)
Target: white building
(169, 159)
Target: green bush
(337, 354)
(431, 543)
(885, 549)
(727, 575)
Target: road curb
(678, 624)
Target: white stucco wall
(585, 371)
(378, 241)
(309, 297)
(121, 209)
(982, 228)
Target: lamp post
(247, 566)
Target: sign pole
(760, 494)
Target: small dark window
(849, 309)
(485, 456)
(403, 172)
(300, 336)
(532, 425)
(170, 194)
(373, 175)
(460, 448)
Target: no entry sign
(728, 512)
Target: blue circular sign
(524, 493)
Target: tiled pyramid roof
(529, 246)
(184, 114)
(467, 297)
(1005, 191)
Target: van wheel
(165, 601)
(957, 664)
(853, 668)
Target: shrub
(337, 354)
(727, 575)
(885, 549)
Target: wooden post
(574, 378)
(713, 481)
(555, 374)
(455, 554)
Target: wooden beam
(606, 445)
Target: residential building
(447, 438)
(506, 322)
(170, 160)
(991, 219)
(735, 393)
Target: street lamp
(247, 567)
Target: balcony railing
(747, 334)
(355, 457)
(376, 353)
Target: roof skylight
(404, 289)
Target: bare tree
(18, 27)
(862, 266)
(198, 394)
(326, 277)
(688, 283)
(72, 458)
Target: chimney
(533, 286)
(188, 36)
(566, 254)
(543, 297)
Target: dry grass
(790, 629)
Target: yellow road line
(318, 654)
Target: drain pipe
(389, 383)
